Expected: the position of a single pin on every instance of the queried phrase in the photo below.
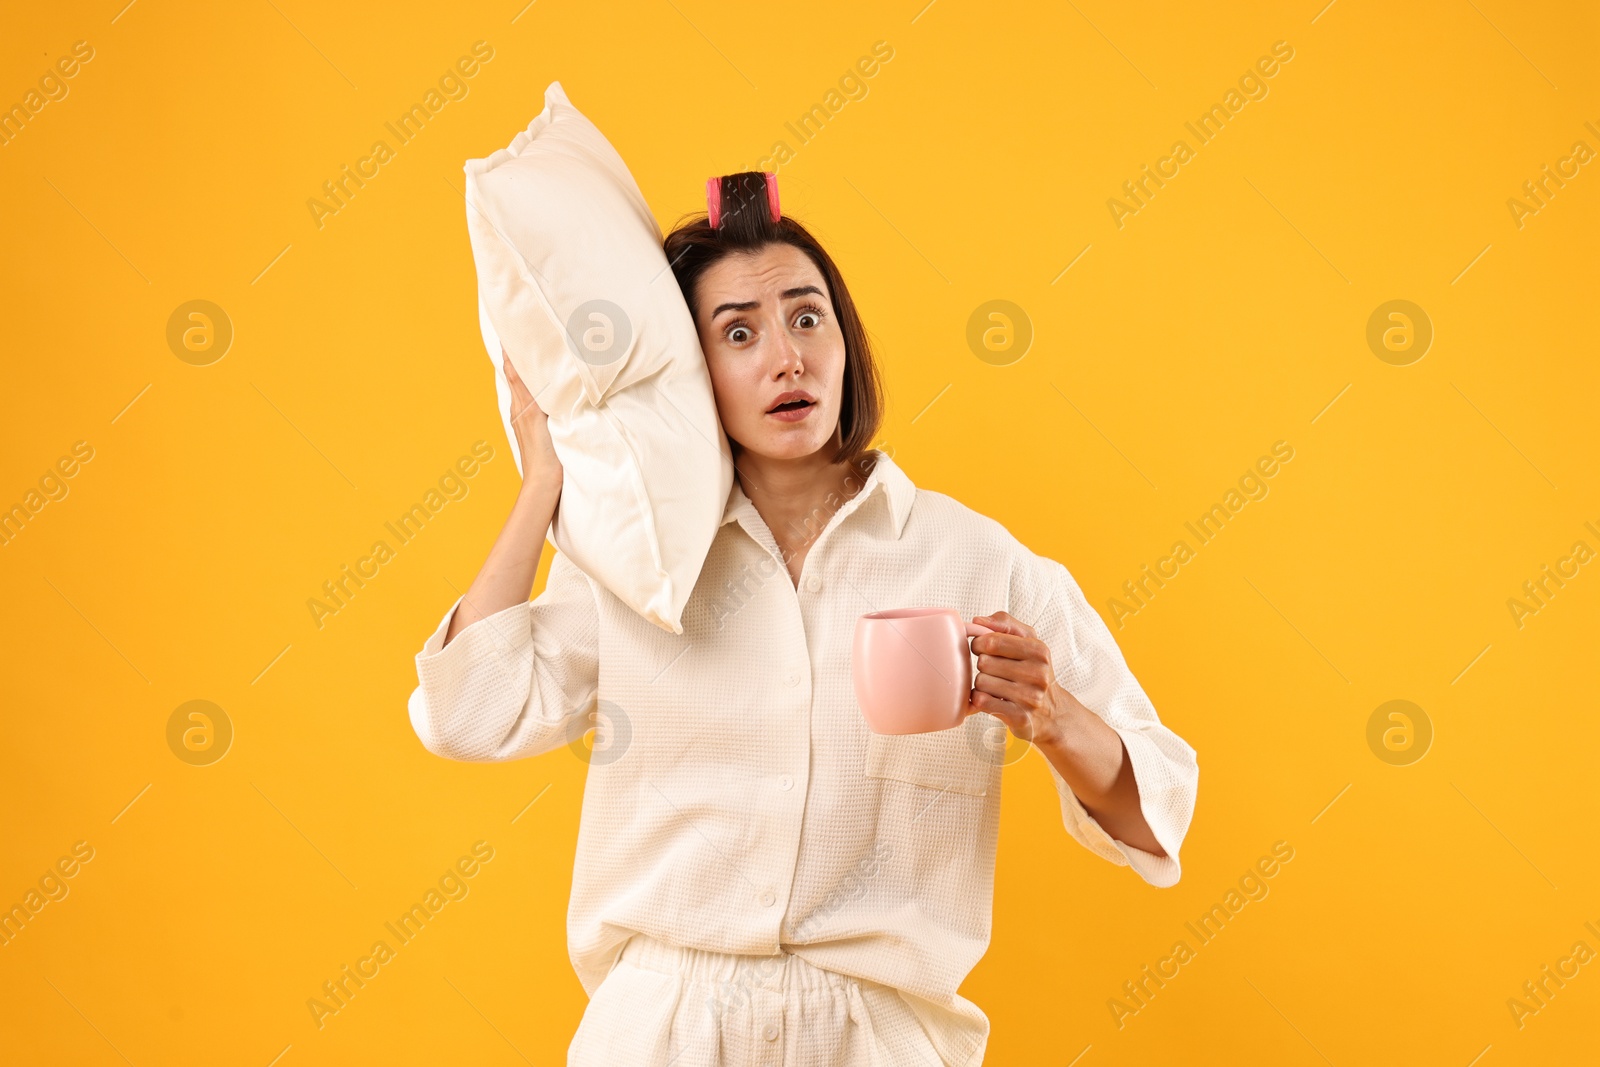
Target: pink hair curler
(772, 195)
(714, 202)
(714, 199)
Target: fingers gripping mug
(912, 669)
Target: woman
(759, 878)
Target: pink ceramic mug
(913, 669)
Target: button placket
(766, 1026)
(838, 517)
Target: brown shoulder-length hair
(746, 226)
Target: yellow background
(1223, 317)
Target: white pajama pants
(666, 1005)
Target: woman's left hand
(1016, 681)
(1017, 684)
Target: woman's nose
(789, 358)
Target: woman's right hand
(506, 577)
(531, 425)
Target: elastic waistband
(783, 972)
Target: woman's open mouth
(793, 407)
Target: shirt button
(792, 679)
(768, 899)
(770, 1033)
(813, 583)
(786, 782)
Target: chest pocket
(953, 760)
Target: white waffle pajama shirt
(790, 888)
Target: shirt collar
(886, 477)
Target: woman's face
(767, 326)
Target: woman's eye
(814, 318)
(739, 335)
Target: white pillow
(562, 236)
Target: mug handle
(974, 629)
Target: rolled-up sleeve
(1090, 666)
(513, 684)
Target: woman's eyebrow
(750, 305)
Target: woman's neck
(797, 497)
